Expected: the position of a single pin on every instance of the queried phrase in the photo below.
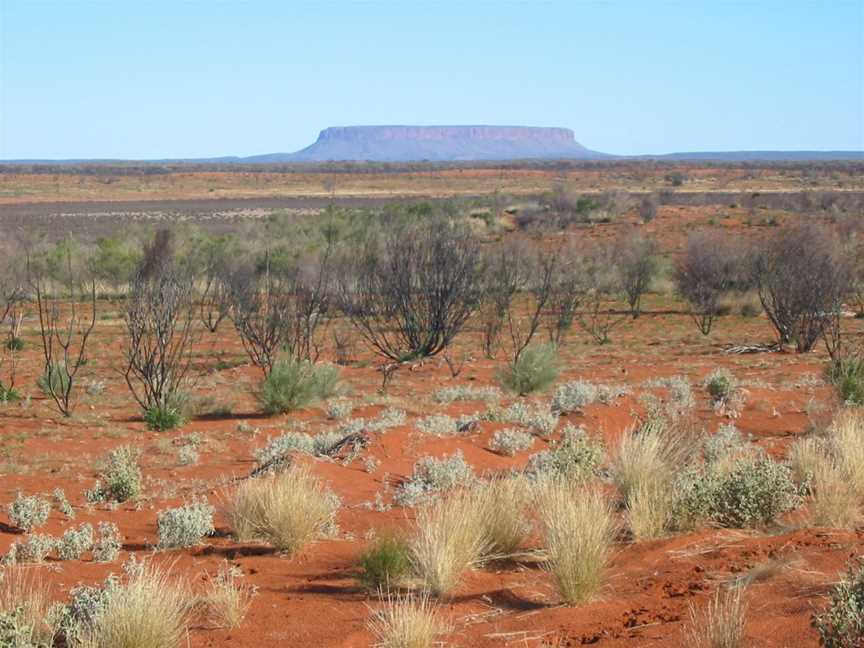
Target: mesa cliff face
(441, 143)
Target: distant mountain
(438, 143)
(466, 144)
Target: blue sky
(150, 79)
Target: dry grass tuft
(646, 464)
(227, 601)
(721, 625)
(150, 610)
(835, 500)
(503, 503)
(21, 590)
(407, 623)
(805, 457)
(450, 537)
(578, 528)
(288, 510)
(847, 442)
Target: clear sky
(153, 78)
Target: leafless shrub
(704, 275)
(802, 276)
(505, 273)
(602, 286)
(567, 290)
(636, 261)
(411, 290)
(159, 318)
(14, 302)
(648, 208)
(67, 316)
(540, 269)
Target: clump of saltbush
(108, 544)
(74, 543)
(29, 512)
(443, 425)
(484, 394)
(842, 624)
(339, 408)
(431, 476)
(122, 477)
(754, 493)
(539, 418)
(36, 548)
(576, 394)
(574, 458)
(185, 526)
(63, 504)
(293, 384)
(509, 442)
(536, 368)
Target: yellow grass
(288, 510)
(578, 529)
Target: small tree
(636, 261)
(281, 312)
(411, 290)
(648, 208)
(159, 318)
(802, 276)
(67, 317)
(602, 286)
(504, 275)
(14, 300)
(703, 275)
(567, 291)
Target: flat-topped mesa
(443, 133)
(444, 143)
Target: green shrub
(8, 395)
(15, 344)
(847, 375)
(293, 384)
(754, 493)
(842, 624)
(55, 381)
(385, 562)
(164, 417)
(720, 384)
(536, 368)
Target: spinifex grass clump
(450, 538)
(578, 529)
(288, 510)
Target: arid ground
(314, 597)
